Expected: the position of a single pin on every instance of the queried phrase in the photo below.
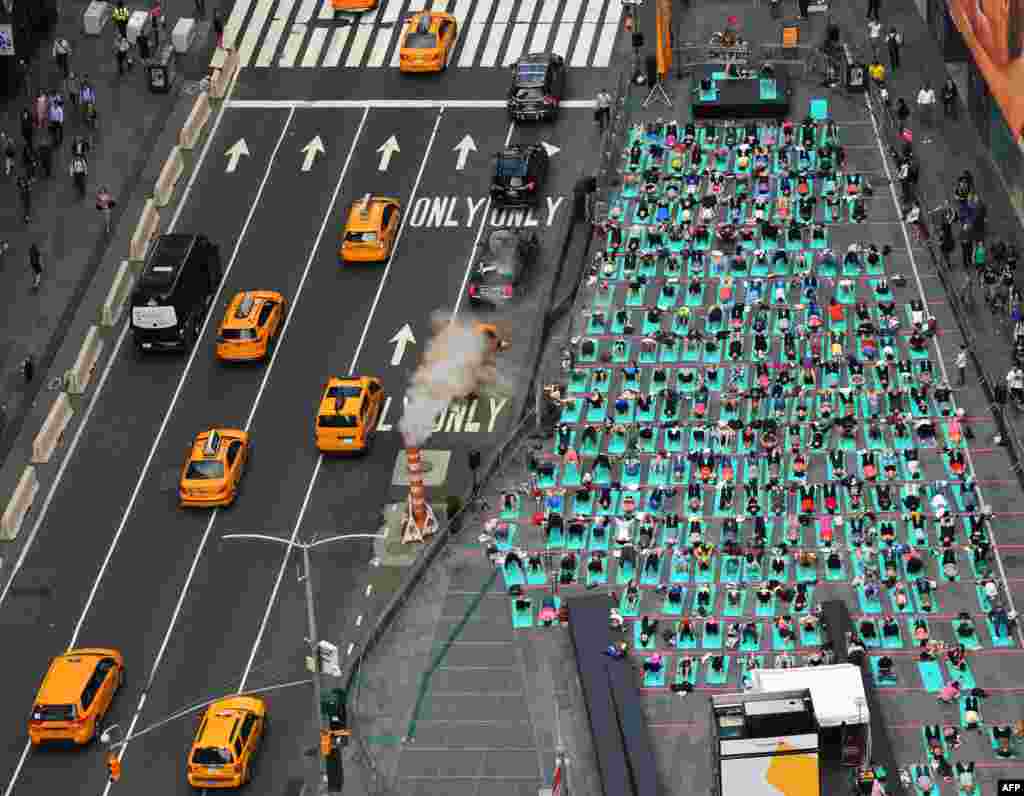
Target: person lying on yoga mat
(1003, 735)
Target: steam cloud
(458, 362)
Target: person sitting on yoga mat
(568, 567)
(1003, 735)
(717, 663)
(732, 636)
(595, 566)
(648, 629)
(855, 651)
(885, 671)
(653, 664)
(764, 594)
(921, 633)
(867, 629)
(784, 627)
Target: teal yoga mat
(718, 678)
(931, 676)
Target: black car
(504, 259)
(519, 174)
(537, 88)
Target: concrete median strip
(196, 122)
(173, 168)
(19, 505)
(52, 432)
(120, 289)
(223, 67)
(78, 378)
(145, 231)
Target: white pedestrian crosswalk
(307, 34)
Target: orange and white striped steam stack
(420, 520)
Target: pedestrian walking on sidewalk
(142, 42)
(35, 262)
(29, 162)
(903, 176)
(875, 37)
(602, 109)
(961, 363)
(45, 153)
(27, 128)
(25, 194)
(41, 111)
(925, 104)
(902, 111)
(105, 203)
(121, 15)
(62, 54)
(28, 369)
(156, 22)
(123, 50)
(218, 27)
(79, 171)
(9, 154)
(967, 248)
(950, 97)
(57, 120)
(895, 42)
(200, 9)
(873, 9)
(79, 147)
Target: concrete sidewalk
(69, 231)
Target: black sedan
(537, 88)
(519, 174)
(498, 275)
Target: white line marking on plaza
(384, 104)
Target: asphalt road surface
(117, 562)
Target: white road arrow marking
(311, 150)
(387, 149)
(401, 339)
(464, 147)
(551, 149)
(235, 151)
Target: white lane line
(581, 52)
(548, 11)
(475, 32)
(84, 424)
(351, 646)
(490, 54)
(319, 462)
(541, 34)
(526, 10)
(938, 351)
(392, 103)
(337, 47)
(316, 44)
(326, 10)
(439, 5)
(609, 32)
(515, 43)
(292, 46)
(269, 48)
(234, 24)
(398, 240)
(593, 12)
(306, 12)
(390, 27)
(284, 9)
(503, 13)
(253, 31)
(369, 588)
(393, 11)
(359, 620)
(358, 48)
(461, 12)
(381, 43)
(416, 5)
(563, 37)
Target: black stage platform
(625, 757)
(740, 98)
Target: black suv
(500, 270)
(519, 174)
(537, 88)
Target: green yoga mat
(712, 641)
(965, 677)
(655, 679)
(892, 642)
(998, 641)
(971, 642)
(931, 676)
(522, 619)
(873, 662)
(736, 610)
(780, 644)
(1014, 746)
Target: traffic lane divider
(145, 231)
(196, 123)
(117, 297)
(20, 504)
(78, 377)
(52, 432)
(170, 174)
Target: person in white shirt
(875, 35)
(925, 103)
(1015, 384)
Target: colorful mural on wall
(994, 30)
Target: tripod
(657, 94)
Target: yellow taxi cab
(371, 230)
(213, 468)
(348, 414)
(226, 743)
(428, 42)
(251, 323)
(354, 5)
(75, 695)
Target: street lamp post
(314, 643)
